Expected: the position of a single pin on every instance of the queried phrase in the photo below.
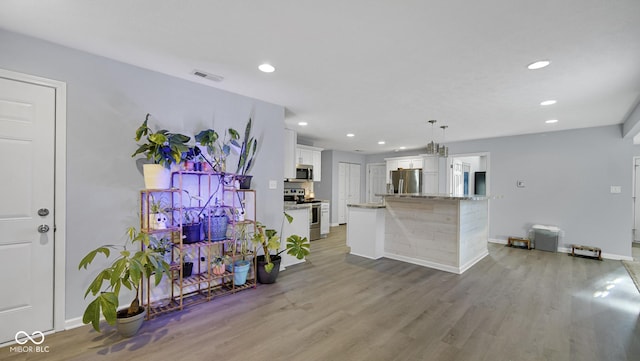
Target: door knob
(43, 212)
(43, 228)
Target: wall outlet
(616, 189)
(273, 184)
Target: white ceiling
(378, 69)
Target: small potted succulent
(162, 149)
(132, 265)
(218, 264)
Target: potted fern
(163, 149)
(133, 264)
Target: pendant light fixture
(434, 148)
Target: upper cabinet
(290, 157)
(310, 156)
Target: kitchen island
(448, 233)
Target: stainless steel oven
(314, 221)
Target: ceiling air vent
(207, 76)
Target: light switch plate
(273, 184)
(616, 189)
(520, 184)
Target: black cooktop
(309, 201)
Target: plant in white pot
(163, 149)
(128, 270)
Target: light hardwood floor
(513, 305)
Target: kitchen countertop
(434, 196)
(293, 205)
(367, 205)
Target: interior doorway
(348, 188)
(376, 181)
(467, 174)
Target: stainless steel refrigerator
(407, 180)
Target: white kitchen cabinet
(311, 156)
(410, 162)
(290, 139)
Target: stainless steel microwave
(304, 171)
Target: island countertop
(440, 196)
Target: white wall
(106, 101)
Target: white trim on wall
(60, 180)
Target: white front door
(27, 145)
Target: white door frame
(368, 179)
(60, 196)
(634, 198)
(463, 155)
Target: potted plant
(191, 226)
(269, 264)
(157, 214)
(218, 264)
(162, 246)
(187, 265)
(163, 149)
(218, 149)
(245, 160)
(240, 267)
(216, 222)
(133, 264)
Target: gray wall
(106, 101)
(567, 175)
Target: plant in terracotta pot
(131, 266)
(219, 149)
(268, 239)
(248, 150)
(162, 149)
(218, 264)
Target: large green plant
(247, 151)
(269, 240)
(161, 147)
(128, 270)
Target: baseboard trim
(73, 323)
(611, 256)
(419, 262)
(477, 259)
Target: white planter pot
(156, 176)
(128, 327)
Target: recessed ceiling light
(548, 102)
(381, 142)
(403, 147)
(538, 64)
(551, 121)
(303, 124)
(267, 68)
(351, 135)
